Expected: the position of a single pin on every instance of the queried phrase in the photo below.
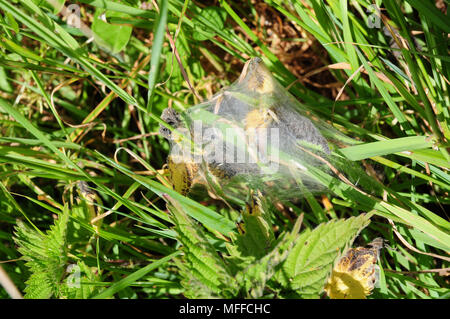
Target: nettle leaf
(111, 37)
(256, 238)
(310, 262)
(205, 275)
(46, 256)
(38, 285)
(254, 278)
(208, 20)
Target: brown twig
(8, 284)
(136, 137)
(403, 240)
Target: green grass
(71, 109)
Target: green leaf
(362, 151)
(113, 37)
(421, 223)
(311, 260)
(158, 41)
(205, 215)
(204, 271)
(46, 257)
(23, 51)
(61, 41)
(125, 282)
(125, 8)
(12, 22)
(437, 17)
(257, 238)
(216, 17)
(254, 279)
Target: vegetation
(86, 210)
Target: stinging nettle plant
(255, 264)
(47, 256)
